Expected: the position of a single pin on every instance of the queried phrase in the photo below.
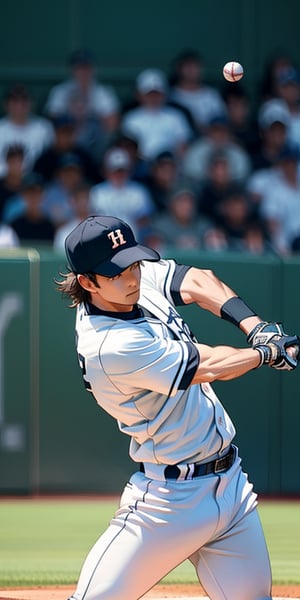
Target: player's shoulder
(110, 335)
(158, 275)
(151, 268)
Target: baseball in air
(233, 71)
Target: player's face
(119, 293)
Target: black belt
(219, 465)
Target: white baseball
(233, 71)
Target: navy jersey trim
(136, 313)
(180, 271)
(192, 365)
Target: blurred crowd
(187, 164)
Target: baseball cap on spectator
(165, 156)
(288, 75)
(32, 180)
(289, 152)
(117, 159)
(220, 120)
(69, 159)
(63, 120)
(151, 80)
(273, 111)
(104, 245)
(82, 56)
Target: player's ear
(86, 283)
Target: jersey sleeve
(165, 276)
(136, 360)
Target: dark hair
(17, 92)
(70, 287)
(186, 55)
(14, 150)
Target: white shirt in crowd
(198, 155)
(157, 130)
(203, 104)
(281, 203)
(131, 202)
(35, 135)
(62, 232)
(102, 100)
(8, 237)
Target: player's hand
(281, 353)
(263, 332)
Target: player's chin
(134, 294)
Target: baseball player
(189, 497)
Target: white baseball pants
(212, 520)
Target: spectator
(235, 214)
(80, 205)
(215, 240)
(94, 106)
(33, 225)
(280, 207)
(242, 124)
(259, 183)
(156, 126)
(180, 226)
(139, 166)
(65, 142)
(188, 90)
(218, 138)
(288, 90)
(19, 126)
(274, 65)
(119, 195)
(57, 203)
(273, 122)
(10, 183)
(255, 239)
(217, 185)
(162, 179)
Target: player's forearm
(224, 363)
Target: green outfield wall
(37, 38)
(54, 437)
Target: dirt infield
(159, 592)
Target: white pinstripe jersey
(139, 366)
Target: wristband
(262, 356)
(235, 310)
(266, 353)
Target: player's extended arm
(224, 363)
(204, 288)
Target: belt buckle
(221, 464)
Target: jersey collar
(136, 313)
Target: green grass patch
(44, 542)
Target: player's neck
(110, 306)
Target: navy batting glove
(264, 332)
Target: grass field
(45, 541)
